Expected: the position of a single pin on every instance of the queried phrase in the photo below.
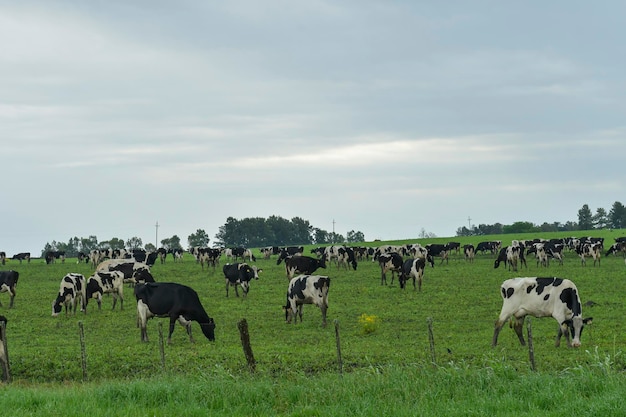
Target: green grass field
(460, 298)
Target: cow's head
(576, 326)
(208, 329)
(56, 306)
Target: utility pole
(333, 230)
(469, 222)
(156, 236)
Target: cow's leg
(563, 329)
(496, 331)
(518, 325)
(172, 323)
(236, 291)
(227, 284)
(114, 300)
(142, 318)
(12, 293)
(299, 313)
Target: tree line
(615, 218)
(248, 232)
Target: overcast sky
(387, 117)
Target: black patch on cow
(542, 283)
(569, 296)
(509, 292)
(546, 297)
(530, 288)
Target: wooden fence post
(4, 353)
(338, 347)
(531, 348)
(245, 343)
(83, 350)
(431, 339)
(161, 345)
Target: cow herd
(536, 296)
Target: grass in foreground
(452, 390)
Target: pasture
(462, 300)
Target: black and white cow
(176, 301)
(303, 265)
(240, 274)
(71, 292)
(437, 249)
(177, 254)
(306, 289)
(22, 256)
(269, 251)
(418, 251)
(589, 250)
(617, 248)
(469, 252)
(343, 255)
(161, 254)
(412, 268)
(8, 282)
(134, 272)
(106, 282)
(3, 258)
(82, 257)
(140, 255)
(52, 255)
(542, 297)
(510, 255)
(208, 256)
(389, 262)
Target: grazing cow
(589, 250)
(149, 258)
(418, 251)
(71, 292)
(469, 251)
(3, 258)
(306, 289)
(437, 249)
(177, 254)
(489, 246)
(412, 268)
(208, 256)
(8, 282)
(240, 274)
(303, 265)
(161, 254)
(454, 246)
(106, 282)
(269, 251)
(389, 262)
(176, 301)
(542, 297)
(51, 255)
(22, 256)
(617, 247)
(342, 255)
(82, 257)
(134, 272)
(511, 255)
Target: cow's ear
(259, 270)
(588, 320)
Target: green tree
(134, 243)
(600, 219)
(301, 231)
(150, 247)
(585, 218)
(352, 237)
(617, 216)
(520, 227)
(320, 236)
(171, 243)
(200, 238)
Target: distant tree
(600, 219)
(200, 238)
(171, 243)
(352, 237)
(617, 216)
(301, 231)
(335, 238)
(520, 227)
(88, 244)
(320, 236)
(585, 218)
(116, 243)
(150, 247)
(549, 227)
(134, 243)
